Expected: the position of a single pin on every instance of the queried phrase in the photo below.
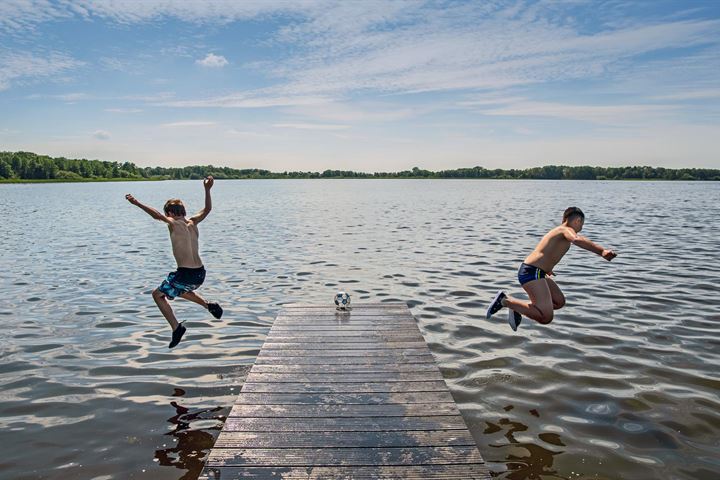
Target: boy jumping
(545, 295)
(190, 273)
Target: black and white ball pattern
(342, 300)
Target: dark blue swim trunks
(528, 273)
(183, 280)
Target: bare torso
(553, 246)
(184, 238)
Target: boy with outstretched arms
(533, 275)
(190, 273)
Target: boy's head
(574, 218)
(174, 208)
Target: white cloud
(613, 114)
(691, 95)
(247, 133)
(311, 126)
(72, 97)
(213, 61)
(23, 67)
(123, 110)
(101, 135)
(25, 14)
(257, 99)
(188, 124)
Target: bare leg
(540, 307)
(165, 308)
(194, 297)
(558, 298)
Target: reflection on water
(622, 384)
(193, 435)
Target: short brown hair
(174, 206)
(572, 212)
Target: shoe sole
(179, 339)
(217, 315)
(488, 313)
(511, 320)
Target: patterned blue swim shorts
(183, 280)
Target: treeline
(30, 166)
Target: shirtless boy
(190, 273)
(545, 295)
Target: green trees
(30, 166)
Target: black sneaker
(496, 304)
(177, 335)
(215, 309)
(514, 319)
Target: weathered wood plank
(339, 329)
(315, 360)
(344, 456)
(342, 377)
(333, 411)
(469, 471)
(343, 330)
(352, 368)
(389, 316)
(432, 386)
(355, 313)
(350, 424)
(439, 438)
(346, 320)
(342, 398)
(360, 337)
(356, 309)
(270, 344)
(397, 353)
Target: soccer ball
(342, 300)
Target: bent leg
(540, 307)
(194, 297)
(558, 298)
(165, 308)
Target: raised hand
(208, 182)
(131, 199)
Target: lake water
(624, 384)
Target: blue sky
(363, 85)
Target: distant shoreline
(28, 167)
(5, 181)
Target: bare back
(184, 239)
(550, 250)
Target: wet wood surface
(345, 395)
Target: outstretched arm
(200, 216)
(149, 210)
(587, 244)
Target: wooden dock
(345, 395)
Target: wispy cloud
(191, 123)
(124, 110)
(101, 135)
(26, 14)
(247, 133)
(256, 99)
(23, 67)
(311, 126)
(212, 61)
(65, 97)
(613, 114)
(694, 95)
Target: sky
(363, 85)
